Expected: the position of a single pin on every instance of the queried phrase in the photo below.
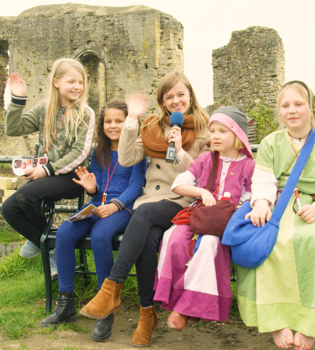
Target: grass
(6, 166)
(8, 235)
(22, 296)
(22, 291)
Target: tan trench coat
(160, 175)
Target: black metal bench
(47, 243)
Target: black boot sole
(68, 320)
(100, 339)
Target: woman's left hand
(35, 174)
(175, 136)
(103, 211)
(307, 213)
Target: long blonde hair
(201, 118)
(76, 110)
(302, 89)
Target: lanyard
(108, 179)
(46, 148)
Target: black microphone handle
(172, 144)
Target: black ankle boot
(65, 311)
(103, 328)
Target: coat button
(157, 187)
(157, 165)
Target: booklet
(19, 165)
(84, 213)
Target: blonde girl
(65, 124)
(198, 286)
(157, 206)
(278, 297)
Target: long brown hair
(201, 118)
(103, 143)
(75, 112)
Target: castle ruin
(127, 49)
(249, 69)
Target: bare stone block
(5, 183)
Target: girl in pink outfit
(201, 289)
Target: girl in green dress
(279, 296)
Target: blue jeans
(101, 232)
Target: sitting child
(202, 289)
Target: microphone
(177, 119)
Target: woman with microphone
(157, 206)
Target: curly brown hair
(103, 143)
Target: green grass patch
(5, 165)
(8, 235)
(17, 323)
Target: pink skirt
(203, 288)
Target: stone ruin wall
(129, 49)
(123, 50)
(249, 69)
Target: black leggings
(22, 209)
(141, 243)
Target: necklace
(299, 138)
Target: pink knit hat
(235, 120)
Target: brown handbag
(212, 220)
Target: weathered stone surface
(123, 49)
(249, 69)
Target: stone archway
(95, 73)
(94, 65)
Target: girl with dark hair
(113, 189)
(157, 206)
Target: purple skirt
(203, 288)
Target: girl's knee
(24, 197)
(7, 208)
(101, 240)
(63, 234)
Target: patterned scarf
(154, 143)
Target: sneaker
(29, 250)
(53, 265)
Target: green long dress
(281, 292)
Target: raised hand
(86, 180)
(16, 85)
(137, 105)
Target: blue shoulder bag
(251, 245)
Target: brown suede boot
(106, 301)
(147, 322)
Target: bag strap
(294, 177)
(213, 171)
